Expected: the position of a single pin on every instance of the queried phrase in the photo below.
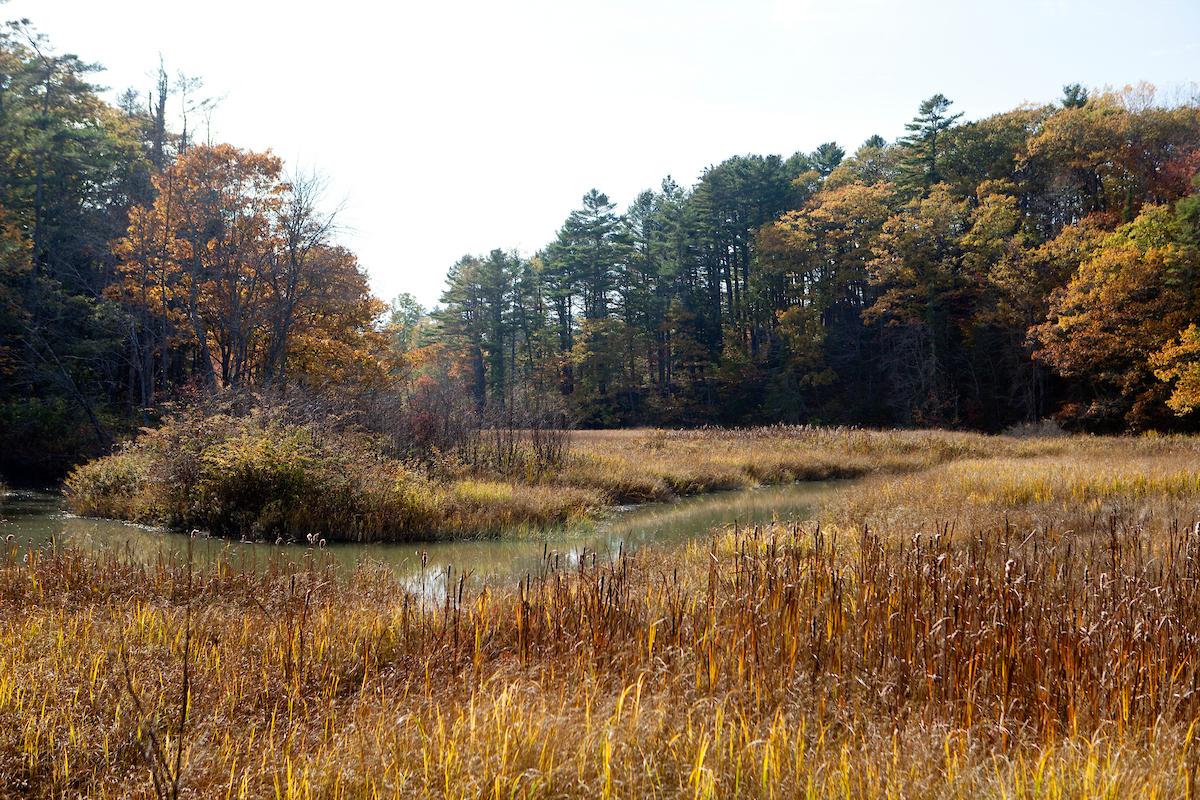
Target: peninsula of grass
(261, 479)
(1019, 625)
(260, 470)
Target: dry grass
(1032, 634)
(261, 476)
(641, 465)
(1086, 479)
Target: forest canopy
(1034, 264)
(976, 274)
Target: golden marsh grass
(1023, 626)
(261, 478)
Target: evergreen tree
(1074, 96)
(826, 158)
(920, 165)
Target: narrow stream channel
(35, 520)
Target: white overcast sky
(458, 126)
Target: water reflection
(31, 520)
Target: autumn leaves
(235, 266)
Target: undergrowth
(264, 474)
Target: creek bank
(267, 474)
(39, 520)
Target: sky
(453, 127)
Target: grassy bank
(266, 472)
(1002, 627)
(638, 465)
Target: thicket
(296, 465)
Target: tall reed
(1007, 643)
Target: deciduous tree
(1124, 304)
(240, 264)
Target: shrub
(265, 468)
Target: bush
(268, 467)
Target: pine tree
(919, 170)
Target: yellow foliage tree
(1180, 362)
(1124, 304)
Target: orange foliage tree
(1123, 306)
(813, 272)
(1118, 151)
(237, 263)
(1179, 364)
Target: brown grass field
(975, 617)
(262, 475)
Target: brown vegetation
(266, 467)
(999, 627)
(277, 466)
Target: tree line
(1037, 263)
(976, 274)
(140, 267)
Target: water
(29, 519)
